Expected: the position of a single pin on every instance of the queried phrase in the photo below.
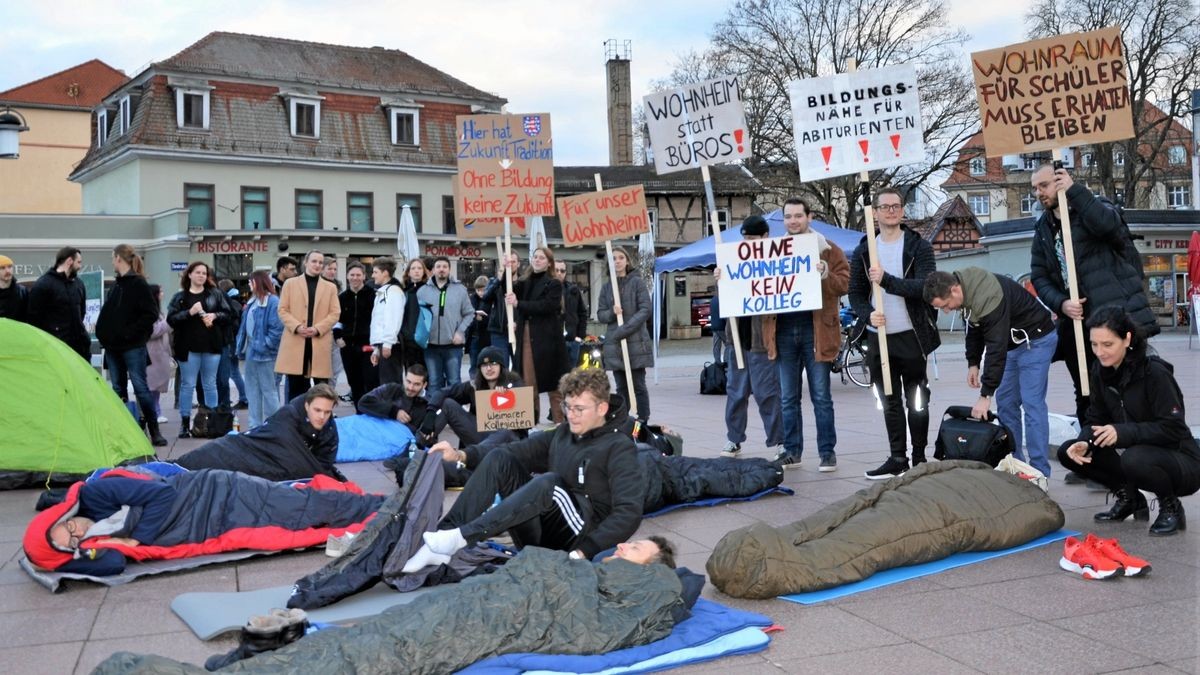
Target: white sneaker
(731, 449)
(162, 420)
(335, 547)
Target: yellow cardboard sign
(504, 409)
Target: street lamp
(11, 124)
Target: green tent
(58, 417)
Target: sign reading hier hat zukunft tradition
(697, 125)
(594, 217)
(504, 409)
(1057, 92)
(505, 166)
(765, 276)
(852, 122)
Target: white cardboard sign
(697, 125)
(852, 122)
(768, 276)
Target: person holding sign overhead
(905, 259)
(537, 299)
(634, 308)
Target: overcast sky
(542, 55)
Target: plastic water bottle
(237, 425)
(412, 449)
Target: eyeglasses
(75, 531)
(577, 409)
(889, 207)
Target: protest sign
(504, 409)
(697, 125)
(505, 166)
(1057, 92)
(594, 217)
(858, 121)
(767, 276)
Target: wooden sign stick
(612, 275)
(864, 180)
(731, 323)
(508, 281)
(1072, 278)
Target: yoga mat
(210, 614)
(713, 501)
(898, 574)
(744, 641)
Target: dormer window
(192, 102)
(101, 127)
(304, 113)
(406, 126)
(125, 111)
(978, 166)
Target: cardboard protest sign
(1054, 93)
(697, 125)
(594, 217)
(860, 121)
(484, 228)
(505, 166)
(504, 409)
(766, 276)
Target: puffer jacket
(1103, 266)
(918, 263)
(635, 305)
(1143, 402)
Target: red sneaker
(1085, 560)
(1109, 548)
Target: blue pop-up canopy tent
(703, 253)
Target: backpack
(424, 325)
(712, 378)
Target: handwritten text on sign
(484, 228)
(766, 276)
(1058, 92)
(504, 409)
(870, 119)
(697, 125)
(505, 166)
(594, 217)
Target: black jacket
(1105, 260)
(56, 305)
(464, 392)
(355, 320)
(128, 315)
(610, 493)
(498, 318)
(575, 312)
(388, 399)
(1143, 402)
(539, 318)
(918, 263)
(1017, 310)
(14, 302)
(188, 326)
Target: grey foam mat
(210, 614)
(134, 570)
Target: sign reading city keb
(697, 125)
(504, 409)
(1057, 92)
(595, 217)
(765, 276)
(505, 166)
(860, 121)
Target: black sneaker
(890, 469)
(244, 405)
(786, 460)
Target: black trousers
(359, 371)
(298, 385)
(391, 370)
(640, 393)
(536, 511)
(466, 428)
(1066, 354)
(1163, 471)
(909, 380)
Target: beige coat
(293, 311)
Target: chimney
(620, 110)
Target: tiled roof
(82, 86)
(726, 179)
(372, 69)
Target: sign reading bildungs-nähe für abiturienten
(860, 121)
(765, 276)
(697, 125)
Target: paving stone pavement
(1016, 614)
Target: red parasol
(1194, 266)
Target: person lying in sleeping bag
(128, 514)
(299, 440)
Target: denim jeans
(228, 370)
(130, 366)
(500, 341)
(797, 351)
(1023, 390)
(261, 390)
(573, 348)
(761, 378)
(444, 363)
(202, 366)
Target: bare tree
(1162, 45)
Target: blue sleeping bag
(362, 438)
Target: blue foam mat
(362, 438)
(713, 501)
(898, 574)
(694, 640)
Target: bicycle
(851, 360)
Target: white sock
(445, 542)
(423, 558)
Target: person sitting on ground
(299, 441)
(455, 405)
(585, 498)
(401, 402)
(1135, 406)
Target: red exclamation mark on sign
(895, 143)
(737, 136)
(864, 144)
(827, 152)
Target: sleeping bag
(540, 602)
(285, 447)
(682, 480)
(191, 514)
(930, 512)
